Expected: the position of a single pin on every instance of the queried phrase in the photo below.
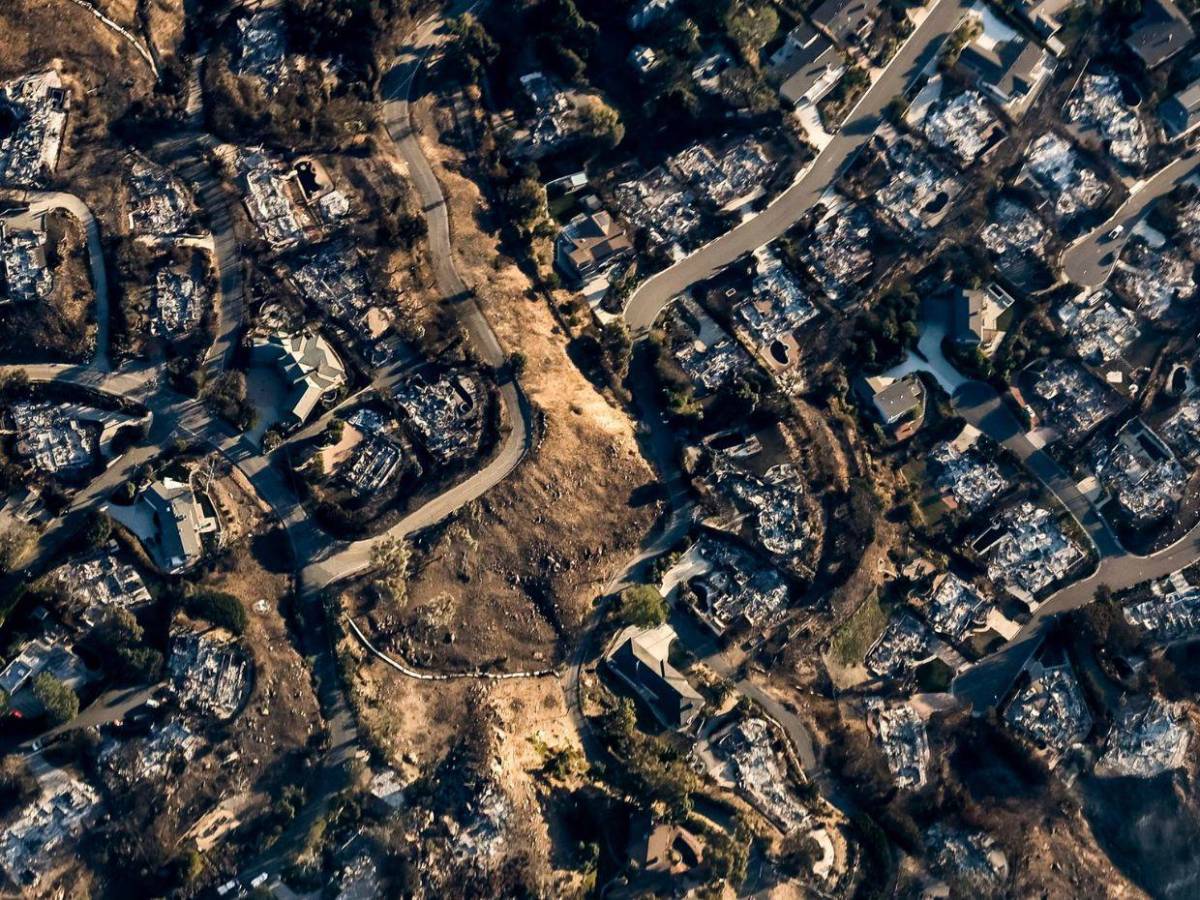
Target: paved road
(654, 294)
(1089, 260)
(349, 559)
(41, 202)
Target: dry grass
(282, 713)
(530, 558)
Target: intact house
(180, 523)
(1180, 113)
(1009, 68)
(1045, 17)
(308, 365)
(1161, 32)
(591, 243)
(848, 22)
(977, 313)
(807, 66)
(898, 403)
(641, 661)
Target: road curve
(921, 47)
(45, 201)
(1090, 259)
(352, 558)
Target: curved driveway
(921, 48)
(41, 202)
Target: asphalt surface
(655, 293)
(1089, 260)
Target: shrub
(221, 609)
(59, 700)
(642, 604)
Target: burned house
(446, 414)
(1141, 474)
(33, 121)
(1027, 551)
(209, 676)
(1049, 709)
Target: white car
(1116, 232)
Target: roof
(804, 59)
(1161, 32)
(1006, 67)
(591, 239)
(641, 658)
(846, 20)
(174, 507)
(308, 363)
(896, 398)
(1180, 114)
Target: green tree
(59, 701)
(222, 609)
(643, 605)
(97, 530)
(602, 122)
(751, 27)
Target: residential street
(921, 48)
(1089, 260)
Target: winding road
(921, 48)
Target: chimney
(662, 668)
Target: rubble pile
(965, 475)
(838, 255)
(955, 608)
(208, 676)
(902, 738)
(1146, 740)
(758, 773)
(1141, 473)
(38, 103)
(904, 645)
(1050, 709)
(1057, 168)
(1100, 329)
(1070, 400)
(1031, 551)
(446, 414)
(1099, 104)
(963, 125)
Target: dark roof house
(848, 22)
(641, 661)
(590, 243)
(1180, 114)
(179, 523)
(807, 66)
(1161, 32)
(1013, 72)
(307, 364)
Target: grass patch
(852, 641)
